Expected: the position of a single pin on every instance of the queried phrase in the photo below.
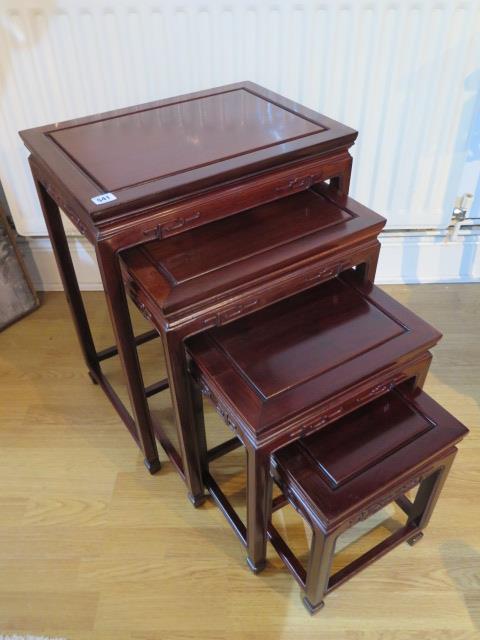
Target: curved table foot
(310, 607)
(153, 466)
(414, 539)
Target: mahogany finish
(224, 260)
(356, 466)
(173, 165)
(311, 347)
(168, 148)
(212, 275)
(213, 207)
(288, 370)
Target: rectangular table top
(221, 257)
(300, 353)
(358, 458)
(164, 149)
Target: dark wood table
(291, 369)
(350, 470)
(156, 170)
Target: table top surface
(175, 146)
(197, 266)
(304, 351)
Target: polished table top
(177, 146)
(355, 458)
(307, 350)
(163, 140)
(220, 258)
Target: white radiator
(402, 73)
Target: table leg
(427, 496)
(341, 183)
(127, 350)
(259, 507)
(369, 268)
(68, 276)
(185, 406)
(322, 550)
(200, 431)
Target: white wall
(404, 73)
(403, 259)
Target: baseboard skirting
(404, 259)
(42, 267)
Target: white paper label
(103, 198)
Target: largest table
(155, 170)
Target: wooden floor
(91, 546)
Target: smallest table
(355, 467)
(290, 369)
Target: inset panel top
(289, 362)
(157, 142)
(180, 145)
(198, 268)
